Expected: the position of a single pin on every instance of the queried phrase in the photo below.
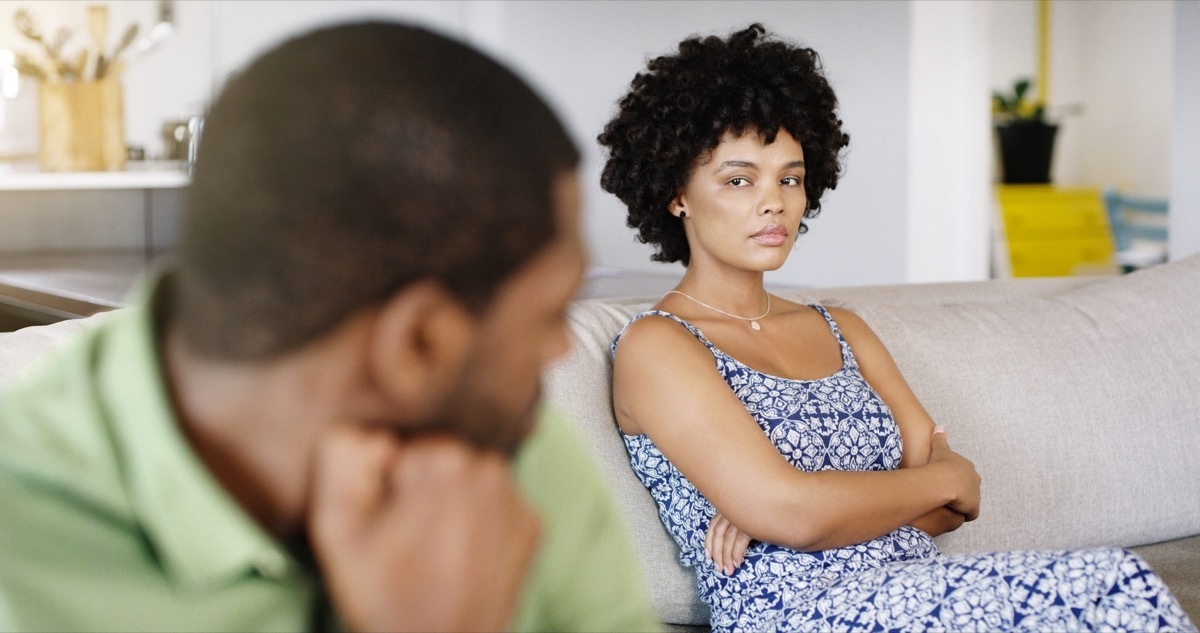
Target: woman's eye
(739, 181)
(791, 181)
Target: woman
(802, 479)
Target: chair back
(1136, 218)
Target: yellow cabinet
(1050, 231)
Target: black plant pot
(1026, 148)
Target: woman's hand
(724, 544)
(965, 479)
(939, 521)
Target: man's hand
(724, 544)
(966, 479)
(418, 535)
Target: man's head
(358, 167)
(350, 162)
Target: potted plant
(1026, 138)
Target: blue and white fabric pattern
(899, 581)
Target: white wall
(949, 145)
(211, 39)
(1132, 67)
(584, 54)
(171, 82)
(243, 30)
(1185, 141)
(913, 205)
(1112, 62)
(1115, 59)
(1012, 42)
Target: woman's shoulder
(840, 316)
(657, 331)
(849, 322)
(846, 318)
(655, 326)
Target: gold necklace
(753, 320)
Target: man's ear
(418, 349)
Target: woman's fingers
(715, 540)
(938, 441)
(733, 553)
(967, 478)
(708, 535)
(743, 542)
(724, 544)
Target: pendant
(755, 325)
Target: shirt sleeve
(587, 577)
(7, 622)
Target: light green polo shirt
(109, 520)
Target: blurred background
(1120, 79)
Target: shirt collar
(197, 531)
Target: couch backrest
(26, 347)
(1076, 398)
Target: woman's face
(745, 203)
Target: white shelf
(139, 175)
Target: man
(314, 416)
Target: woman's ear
(417, 350)
(677, 207)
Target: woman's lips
(772, 235)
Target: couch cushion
(1178, 562)
(27, 346)
(1076, 404)
(1073, 397)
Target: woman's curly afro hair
(677, 111)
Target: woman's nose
(772, 202)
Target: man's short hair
(349, 162)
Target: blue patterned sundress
(899, 581)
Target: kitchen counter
(27, 176)
(87, 212)
(44, 288)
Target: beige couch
(1078, 399)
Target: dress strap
(847, 354)
(663, 313)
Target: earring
(682, 214)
